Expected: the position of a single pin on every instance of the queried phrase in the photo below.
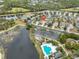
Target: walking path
(12, 28)
(8, 29)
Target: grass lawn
(14, 10)
(2, 20)
(71, 9)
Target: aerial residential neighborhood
(39, 29)
(60, 21)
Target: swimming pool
(48, 48)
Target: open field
(15, 10)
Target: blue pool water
(47, 50)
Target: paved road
(22, 47)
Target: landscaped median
(37, 46)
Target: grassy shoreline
(37, 46)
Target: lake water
(22, 47)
